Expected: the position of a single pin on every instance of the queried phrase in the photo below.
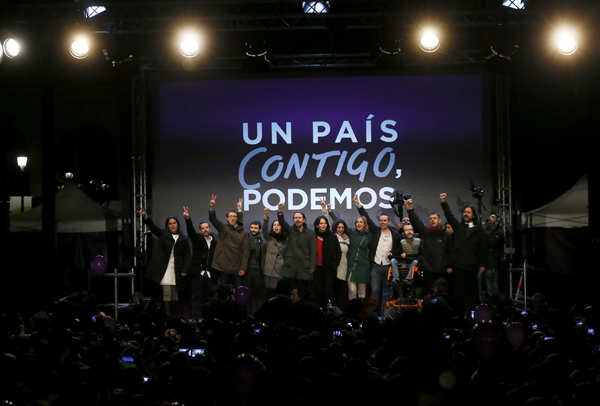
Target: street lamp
(22, 162)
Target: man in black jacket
(469, 254)
(203, 250)
(437, 244)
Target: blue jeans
(378, 276)
(396, 274)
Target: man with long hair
(468, 256)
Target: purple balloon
(482, 313)
(109, 322)
(99, 265)
(487, 341)
(242, 295)
(515, 335)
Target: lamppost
(22, 163)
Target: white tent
(75, 212)
(567, 211)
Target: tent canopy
(75, 212)
(567, 211)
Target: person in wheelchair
(412, 249)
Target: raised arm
(447, 213)
(284, 225)
(363, 212)
(189, 225)
(417, 224)
(324, 207)
(240, 213)
(156, 230)
(334, 217)
(212, 216)
(265, 226)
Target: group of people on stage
(333, 263)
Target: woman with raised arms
(358, 267)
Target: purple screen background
(438, 146)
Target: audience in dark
(292, 352)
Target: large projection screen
(296, 140)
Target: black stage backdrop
(296, 140)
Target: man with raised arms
(437, 244)
(385, 243)
(203, 250)
(232, 253)
(301, 255)
(468, 256)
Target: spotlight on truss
(189, 47)
(312, 7)
(79, 49)
(429, 42)
(566, 43)
(11, 48)
(93, 11)
(515, 4)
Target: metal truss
(346, 36)
(139, 148)
(164, 16)
(504, 199)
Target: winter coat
(301, 254)
(232, 253)
(437, 245)
(342, 269)
(162, 253)
(275, 255)
(331, 251)
(359, 266)
(470, 246)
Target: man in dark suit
(468, 256)
(203, 249)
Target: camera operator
(495, 250)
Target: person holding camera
(495, 250)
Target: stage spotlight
(189, 47)
(11, 48)
(93, 11)
(516, 4)
(79, 49)
(566, 44)
(311, 7)
(429, 42)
